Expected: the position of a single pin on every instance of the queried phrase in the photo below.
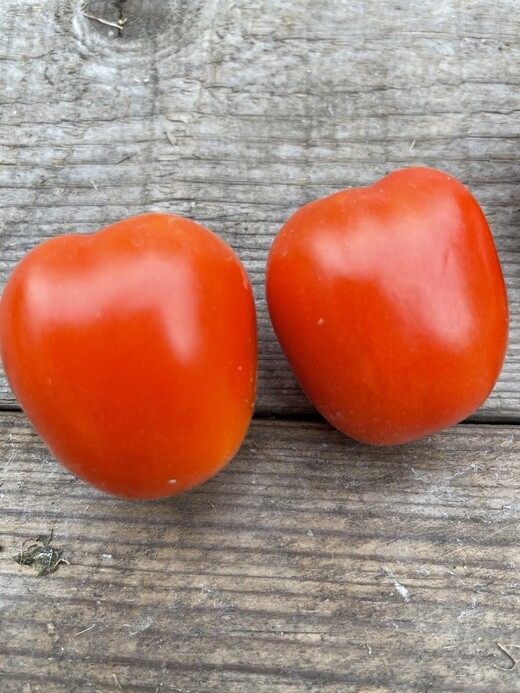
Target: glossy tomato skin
(133, 352)
(390, 305)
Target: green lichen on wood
(44, 558)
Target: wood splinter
(120, 24)
(508, 654)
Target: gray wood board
(311, 563)
(235, 113)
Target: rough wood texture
(310, 564)
(235, 113)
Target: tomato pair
(133, 351)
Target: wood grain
(311, 563)
(235, 113)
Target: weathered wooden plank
(235, 113)
(310, 563)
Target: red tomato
(390, 305)
(133, 353)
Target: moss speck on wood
(41, 555)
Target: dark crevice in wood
(490, 421)
(9, 406)
(314, 417)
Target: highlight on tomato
(133, 352)
(390, 305)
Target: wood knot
(130, 20)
